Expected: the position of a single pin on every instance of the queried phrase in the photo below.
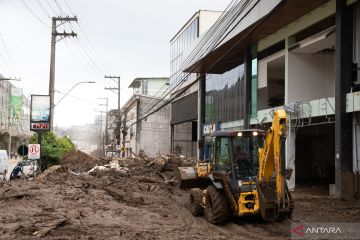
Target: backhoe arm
(273, 194)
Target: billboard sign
(40, 113)
(16, 103)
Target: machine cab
(236, 153)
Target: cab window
(222, 160)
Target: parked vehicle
(24, 169)
(4, 164)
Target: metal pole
(52, 72)
(70, 91)
(119, 111)
(9, 153)
(106, 125)
(101, 137)
(54, 34)
(39, 142)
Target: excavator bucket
(190, 179)
(267, 200)
(270, 209)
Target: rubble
(51, 170)
(130, 199)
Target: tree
(53, 148)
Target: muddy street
(138, 199)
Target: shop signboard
(40, 113)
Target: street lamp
(71, 90)
(10, 79)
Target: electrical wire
(68, 6)
(32, 13)
(8, 54)
(52, 9)
(212, 39)
(244, 5)
(77, 98)
(89, 48)
(42, 7)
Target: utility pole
(119, 110)
(106, 123)
(101, 140)
(54, 35)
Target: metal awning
(228, 52)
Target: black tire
(217, 209)
(195, 202)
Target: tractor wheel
(217, 209)
(195, 202)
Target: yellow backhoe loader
(246, 175)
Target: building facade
(139, 131)
(296, 55)
(184, 86)
(14, 116)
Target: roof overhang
(136, 83)
(229, 54)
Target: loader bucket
(189, 178)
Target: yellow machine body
(246, 198)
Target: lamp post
(10, 79)
(69, 92)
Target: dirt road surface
(141, 201)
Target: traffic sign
(34, 151)
(23, 150)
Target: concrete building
(149, 86)
(299, 55)
(14, 119)
(184, 107)
(138, 132)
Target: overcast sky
(129, 38)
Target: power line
(42, 7)
(77, 98)
(32, 13)
(8, 54)
(89, 48)
(51, 7)
(57, 4)
(210, 39)
(200, 49)
(67, 4)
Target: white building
(14, 127)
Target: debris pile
(78, 161)
(87, 198)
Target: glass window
(246, 156)
(196, 32)
(222, 161)
(144, 87)
(226, 96)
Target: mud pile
(79, 161)
(142, 202)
